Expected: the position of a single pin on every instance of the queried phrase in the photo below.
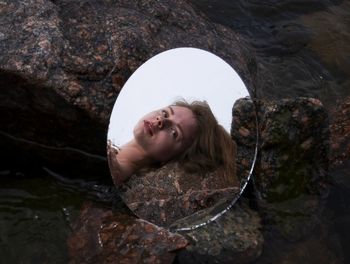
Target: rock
(101, 236)
(340, 133)
(235, 237)
(290, 181)
(244, 133)
(64, 62)
(167, 194)
(322, 247)
(291, 178)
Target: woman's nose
(160, 122)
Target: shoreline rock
(63, 64)
(101, 236)
(291, 178)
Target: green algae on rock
(292, 180)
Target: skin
(159, 136)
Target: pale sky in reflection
(188, 73)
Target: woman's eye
(174, 133)
(165, 114)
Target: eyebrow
(171, 110)
(179, 127)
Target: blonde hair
(212, 147)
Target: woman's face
(165, 133)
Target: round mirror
(160, 121)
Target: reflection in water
(37, 210)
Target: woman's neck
(132, 157)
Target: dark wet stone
(340, 133)
(244, 133)
(64, 62)
(291, 178)
(321, 247)
(102, 236)
(235, 237)
(167, 194)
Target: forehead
(183, 117)
(181, 110)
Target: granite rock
(167, 194)
(340, 134)
(235, 237)
(291, 177)
(102, 236)
(244, 133)
(63, 63)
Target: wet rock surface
(291, 180)
(101, 236)
(235, 237)
(339, 165)
(244, 133)
(321, 247)
(64, 62)
(340, 134)
(291, 176)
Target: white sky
(188, 73)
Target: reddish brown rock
(101, 236)
(64, 62)
(340, 133)
(167, 194)
(234, 237)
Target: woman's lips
(148, 127)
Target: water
(38, 209)
(33, 217)
(302, 49)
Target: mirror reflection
(169, 149)
(185, 132)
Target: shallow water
(38, 209)
(302, 49)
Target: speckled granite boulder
(235, 237)
(167, 194)
(63, 63)
(340, 135)
(101, 236)
(291, 177)
(244, 133)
